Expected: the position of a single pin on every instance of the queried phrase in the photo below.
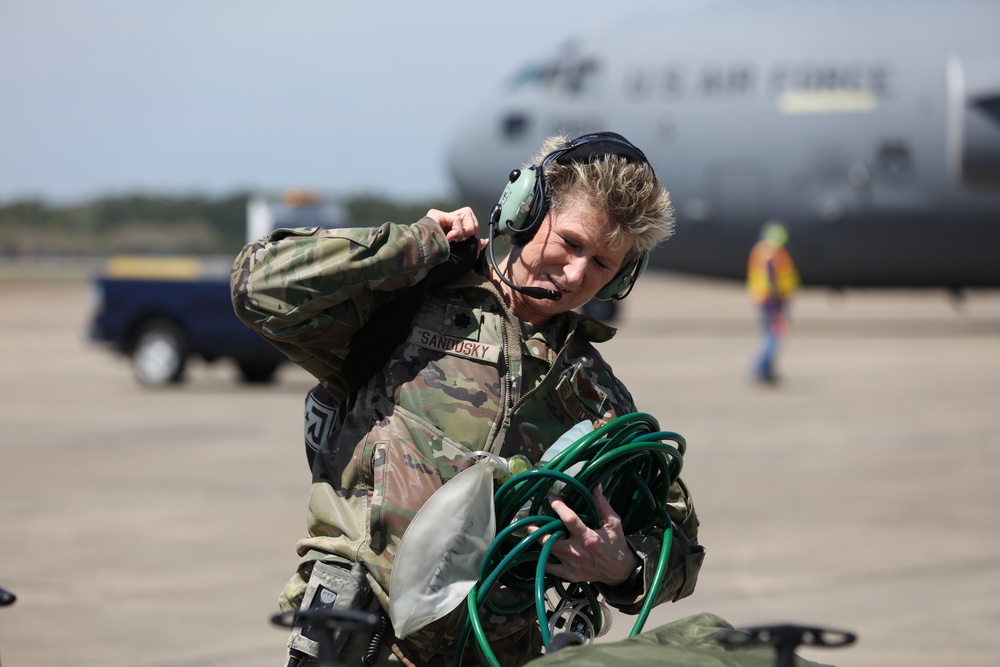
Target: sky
(109, 97)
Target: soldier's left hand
(600, 556)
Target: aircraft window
(514, 125)
(893, 159)
(531, 75)
(573, 77)
(581, 77)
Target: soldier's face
(568, 254)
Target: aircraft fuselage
(872, 130)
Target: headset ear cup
(539, 207)
(510, 213)
(624, 280)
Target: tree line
(163, 224)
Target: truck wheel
(253, 371)
(159, 354)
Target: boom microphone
(533, 292)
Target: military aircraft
(872, 128)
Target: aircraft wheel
(160, 354)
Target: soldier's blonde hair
(637, 206)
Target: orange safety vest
(770, 272)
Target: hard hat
(775, 234)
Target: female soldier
(495, 359)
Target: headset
(524, 203)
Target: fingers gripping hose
(630, 459)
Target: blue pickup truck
(163, 311)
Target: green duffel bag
(687, 642)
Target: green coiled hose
(630, 460)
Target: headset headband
(594, 146)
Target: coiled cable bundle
(631, 460)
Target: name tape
(461, 347)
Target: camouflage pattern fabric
(687, 642)
(469, 377)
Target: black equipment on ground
(785, 639)
(328, 620)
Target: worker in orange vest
(772, 279)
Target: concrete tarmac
(156, 528)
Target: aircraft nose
(481, 156)
(469, 162)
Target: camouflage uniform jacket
(469, 377)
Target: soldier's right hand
(457, 225)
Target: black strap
(389, 326)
